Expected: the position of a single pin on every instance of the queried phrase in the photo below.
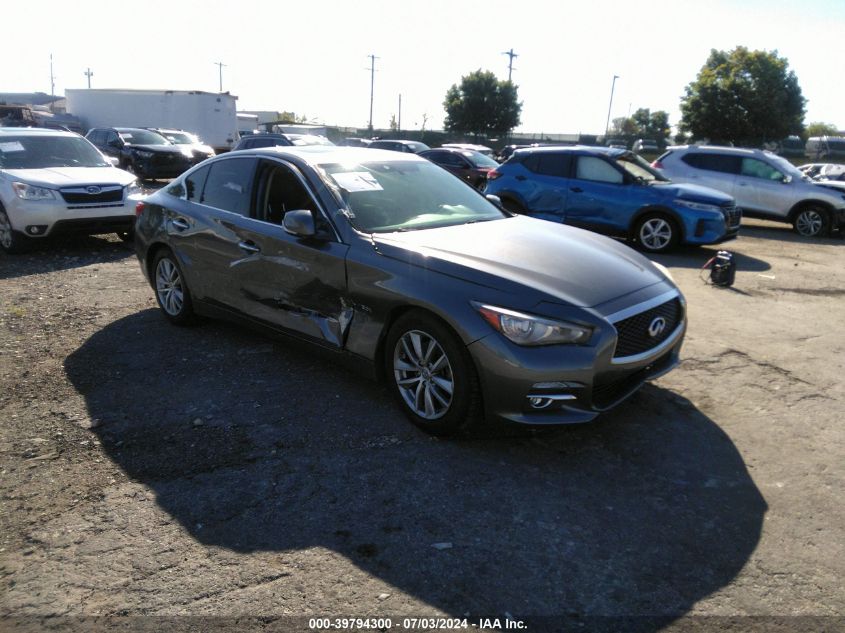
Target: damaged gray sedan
(470, 313)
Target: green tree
(818, 128)
(482, 105)
(744, 97)
(623, 126)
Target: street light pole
(220, 68)
(609, 107)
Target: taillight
(657, 164)
(493, 174)
(139, 209)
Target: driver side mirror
(496, 200)
(300, 222)
(787, 179)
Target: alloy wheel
(655, 234)
(809, 223)
(169, 287)
(423, 374)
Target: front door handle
(520, 177)
(249, 247)
(576, 189)
(179, 224)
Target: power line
(511, 55)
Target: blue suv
(613, 191)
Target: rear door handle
(179, 224)
(249, 247)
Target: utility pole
(399, 122)
(607, 125)
(220, 65)
(372, 70)
(88, 74)
(511, 55)
(52, 84)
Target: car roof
(33, 131)
(712, 149)
(322, 154)
(580, 149)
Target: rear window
(723, 163)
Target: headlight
(143, 153)
(31, 192)
(698, 206)
(133, 188)
(187, 151)
(526, 329)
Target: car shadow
(762, 229)
(697, 257)
(255, 446)
(63, 254)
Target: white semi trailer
(211, 116)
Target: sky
(313, 58)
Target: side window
(194, 184)
(229, 185)
(723, 163)
(451, 160)
(593, 168)
(110, 136)
(549, 164)
(282, 191)
(96, 138)
(758, 169)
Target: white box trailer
(211, 116)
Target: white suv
(53, 182)
(765, 185)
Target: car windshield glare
(39, 152)
(480, 160)
(786, 167)
(387, 196)
(181, 138)
(639, 168)
(143, 137)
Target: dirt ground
(149, 470)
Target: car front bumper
(564, 384)
(42, 218)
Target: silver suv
(54, 182)
(764, 184)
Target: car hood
(70, 176)
(567, 264)
(162, 149)
(694, 193)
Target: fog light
(36, 229)
(539, 403)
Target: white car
(764, 184)
(53, 182)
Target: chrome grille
(633, 335)
(92, 194)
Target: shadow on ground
(645, 512)
(53, 254)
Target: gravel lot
(153, 470)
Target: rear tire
(11, 241)
(812, 221)
(656, 232)
(171, 290)
(431, 375)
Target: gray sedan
(467, 311)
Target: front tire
(431, 375)
(656, 233)
(171, 289)
(11, 241)
(811, 221)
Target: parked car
(467, 311)
(818, 147)
(146, 154)
(412, 147)
(764, 184)
(645, 145)
(254, 141)
(507, 151)
(481, 149)
(356, 142)
(823, 171)
(308, 139)
(185, 139)
(612, 191)
(467, 165)
(54, 182)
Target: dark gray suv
(468, 311)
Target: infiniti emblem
(93, 189)
(656, 327)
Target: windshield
(386, 196)
(480, 160)
(38, 152)
(142, 137)
(181, 138)
(639, 169)
(786, 167)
